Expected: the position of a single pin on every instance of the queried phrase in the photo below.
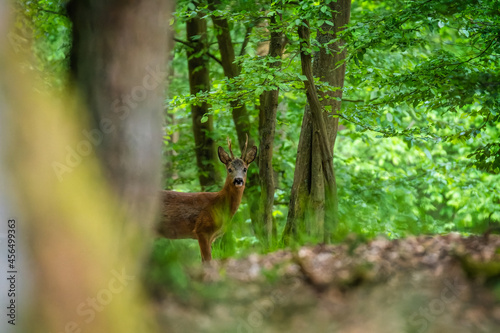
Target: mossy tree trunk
(314, 204)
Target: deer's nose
(238, 181)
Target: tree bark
(86, 218)
(267, 126)
(240, 115)
(309, 200)
(199, 81)
(118, 62)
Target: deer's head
(237, 167)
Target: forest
(372, 204)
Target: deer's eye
(230, 170)
(244, 169)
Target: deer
(203, 215)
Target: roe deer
(202, 215)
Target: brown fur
(203, 215)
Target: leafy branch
(188, 44)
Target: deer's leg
(205, 247)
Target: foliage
(430, 69)
(426, 75)
(418, 149)
(47, 24)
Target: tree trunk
(85, 217)
(199, 81)
(241, 118)
(267, 126)
(120, 69)
(309, 200)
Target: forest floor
(418, 284)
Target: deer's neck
(231, 196)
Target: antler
(244, 150)
(230, 150)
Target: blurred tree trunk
(267, 127)
(241, 118)
(199, 81)
(309, 200)
(118, 62)
(86, 217)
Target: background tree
(309, 197)
(268, 106)
(199, 81)
(239, 111)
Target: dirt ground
(419, 284)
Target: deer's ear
(223, 156)
(250, 155)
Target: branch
(477, 56)
(246, 39)
(357, 100)
(51, 12)
(317, 117)
(388, 134)
(191, 46)
(456, 64)
(312, 96)
(360, 124)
